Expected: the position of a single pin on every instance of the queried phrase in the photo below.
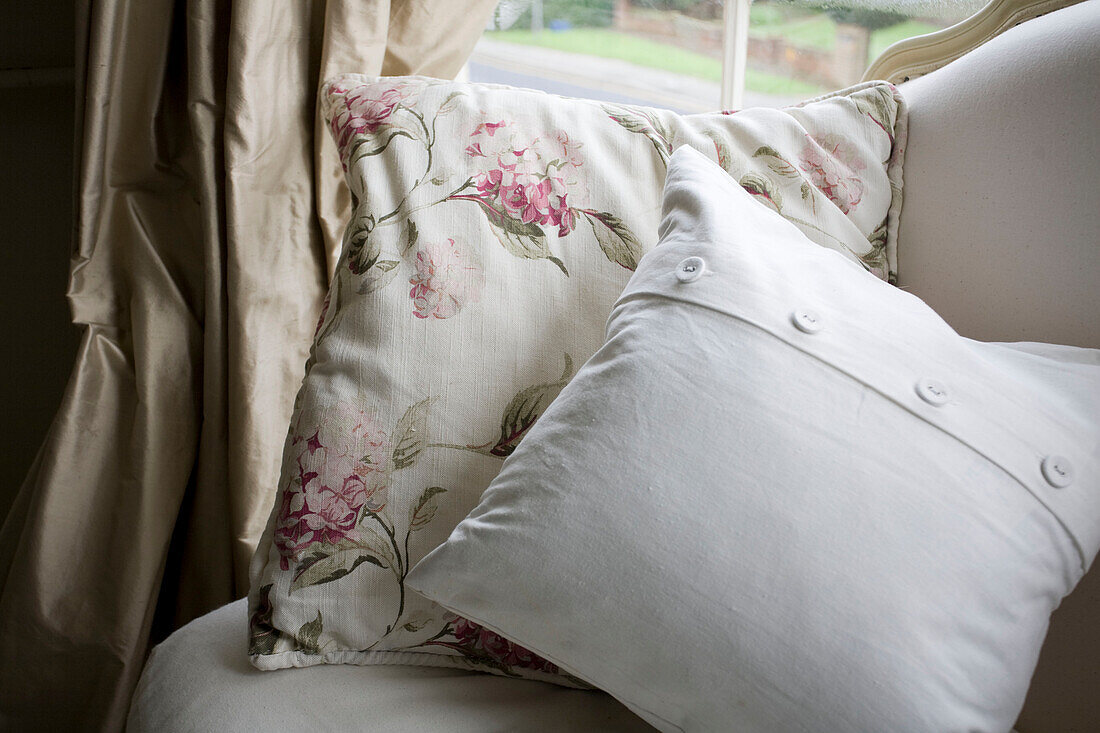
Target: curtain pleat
(210, 208)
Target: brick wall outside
(838, 68)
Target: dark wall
(36, 221)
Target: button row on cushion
(933, 392)
(690, 270)
(1057, 470)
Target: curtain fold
(209, 213)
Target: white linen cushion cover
(742, 515)
(493, 230)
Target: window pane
(828, 44)
(668, 53)
(663, 53)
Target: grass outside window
(651, 54)
(798, 26)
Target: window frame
(904, 60)
(919, 55)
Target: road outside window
(668, 53)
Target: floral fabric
(493, 230)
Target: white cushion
(199, 680)
(785, 496)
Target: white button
(933, 392)
(807, 321)
(690, 269)
(1058, 471)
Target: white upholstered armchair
(998, 234)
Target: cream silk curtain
(210, 208)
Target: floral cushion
(493, 229)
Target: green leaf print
(321, 568)
(308, 635)
(410, 435)
(524, 409)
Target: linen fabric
(209, 207)
(787, 496)
(199, 679)
(966, 172)
(996, 266)
(494, 229)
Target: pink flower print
(478, 641)
(531, 182)
(527, 198)
(342, 468)
(365, 109)
(567, 150)
(445, 280)
(324, 312)
(489, 128)
(567, 220)
(474, 149)
(834, 168)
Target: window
(697, 55)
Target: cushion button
(806, 320)
(690, 269)
(1058, 471)
(933, 392)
